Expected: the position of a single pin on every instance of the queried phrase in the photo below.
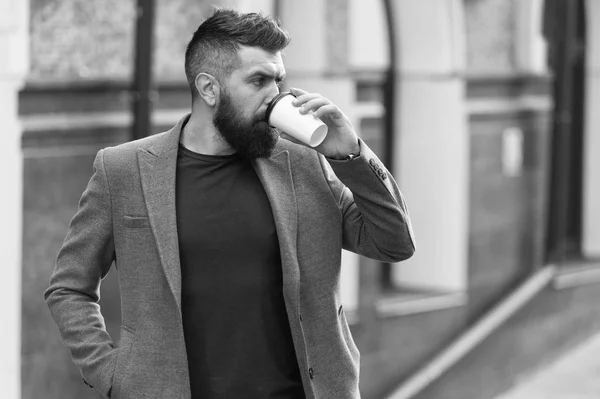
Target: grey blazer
(126, 216)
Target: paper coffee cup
(282, 114)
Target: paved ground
(576, 375)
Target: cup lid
(273, 102)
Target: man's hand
(341, 137)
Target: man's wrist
(349, 156)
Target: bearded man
(227, 237)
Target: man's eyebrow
(268, 74)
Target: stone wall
(91, 40)
(490, 35)
(79, 39)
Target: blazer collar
(158, 164)
(169, 141)
(275, 174)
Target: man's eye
(258, 82)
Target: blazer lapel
(157, 170)
(276, 176)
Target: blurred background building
(483, 110)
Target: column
(591, 167)
(317, 61)
(530, 45)
(432, 143)
(266, 7)
(14, 65)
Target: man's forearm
(376, 220)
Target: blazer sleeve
(376, 222)
(74, 291)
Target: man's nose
(273, 91)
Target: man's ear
(208, 88)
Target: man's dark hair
(215, 45)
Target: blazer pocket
(136, 222)
(123, 360)
(347, 334)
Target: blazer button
(311, 373)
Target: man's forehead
(255, 60)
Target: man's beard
(251, 138)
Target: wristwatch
(351, 156)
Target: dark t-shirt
(236, 328)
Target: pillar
(317, 61)
(267, 7)
(530, 44)
(431, 150)
(14, 16)
(591, 167)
